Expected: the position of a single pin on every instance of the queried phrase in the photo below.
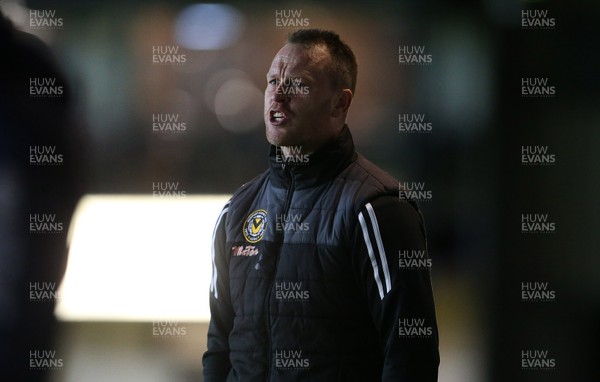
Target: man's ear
(342, 103)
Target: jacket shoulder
(374, 175)
(243, 197)
(367, 181)
(250, 185)
(381, 183)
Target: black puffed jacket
(308, 280)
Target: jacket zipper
(280, 237)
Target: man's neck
(289, 151)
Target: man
(306, 278)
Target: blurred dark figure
(32, 190)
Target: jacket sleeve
(215, 362)
(394, 269)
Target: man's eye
(273, 82)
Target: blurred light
(217, 80)
(236, 101)
(179, 101)
(208, 26)
(239, 105)
(17, 13)
(138, 258)
(461, 88)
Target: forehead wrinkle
(286, 69)
(299, 64)
(277, 66)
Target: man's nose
(280, 94)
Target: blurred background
(159, 119)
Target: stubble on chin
(277, 137)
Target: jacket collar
(316, 168)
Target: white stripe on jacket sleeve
(365, 232)
(384, 264)
(213, 282)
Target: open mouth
(277, 117)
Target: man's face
(299, 99)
